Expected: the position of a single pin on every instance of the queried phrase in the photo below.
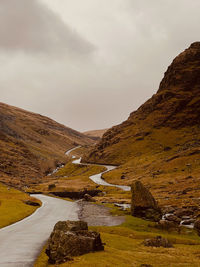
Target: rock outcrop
(161, 139)
(158, 241)
(72, 238)
(143, 203)
(176, 99)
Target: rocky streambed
(185, 216)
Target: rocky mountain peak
(184, 72)
(175, 106)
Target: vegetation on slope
(31, 145)
(96, 134)
(160, 142)
(124, 247)
(75, 178)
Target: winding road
(21, 242)
(97, 178)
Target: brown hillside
(32, 144)
(97, 134)
(162, 138)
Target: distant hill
(32, 144)
(160, 142)
(96, 134)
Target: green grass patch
(124, 247)
(71, 169)
(12, 206)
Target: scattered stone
(158, 241)
(168, 209)
(87, 197)
(173, 218)
(143, 204)
(184, 212)
(71, 238)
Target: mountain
(95, 134)
(31, 145)
(160, 142)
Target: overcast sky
(89, 63)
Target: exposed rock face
(176, 99)
(162, 132)
(143, 203)
(158, 241)
(179, 74)
(71, 238)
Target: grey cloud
(136, 40)
(29, 26)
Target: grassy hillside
(95, 133)
(123, 247)
(13, 205)
(160, 142)
(31, 145)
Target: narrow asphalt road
(97, 178)
(21, 242)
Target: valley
(56, 173)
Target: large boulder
(143, 204)
(158, 241)
(71, 238)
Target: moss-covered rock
(143, 203)
(71, 238)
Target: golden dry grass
(31, 145)
(12, 206)
(124, 248)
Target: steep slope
(32, 144)
(162, 138)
